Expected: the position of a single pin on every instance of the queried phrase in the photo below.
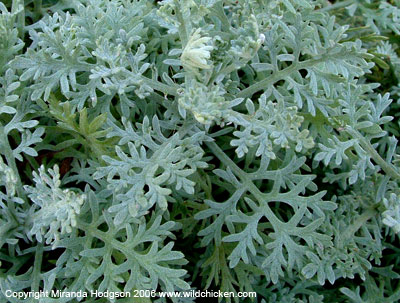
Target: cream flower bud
(196, 52)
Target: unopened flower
(197, 52)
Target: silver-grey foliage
(200, 144)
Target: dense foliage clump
(200, 144)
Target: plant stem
(7, 152)
(248, 92)
(219, 10)
(38, 8)
(16, 5)
(387, 167)
(183, 32)
(247, 182)
(159, 86)
(359, 222)
(37, 266)
(336, 5)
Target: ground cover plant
(200, 144)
